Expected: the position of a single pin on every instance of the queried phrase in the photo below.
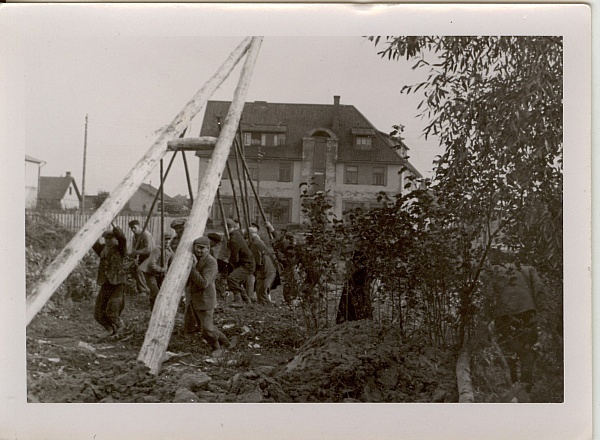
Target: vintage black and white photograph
(373, 216)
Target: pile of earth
(366, 361)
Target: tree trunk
(463, 378)
(355, 302)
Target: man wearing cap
(265, 266)
(178, 225)
(218, 252)
(513, 290)
(242, 261)
(153, 267)
(112, 279)
(140, 249)
(202, 293)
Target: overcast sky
(130, 87)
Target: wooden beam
(165, 309)
(80, 244)
(204, 143)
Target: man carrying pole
(141, 248)
(242, 261)
(112, 280)
(203, 296)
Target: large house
(32, 180)
(58, 192)
(333, 146)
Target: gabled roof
(29, 158)
(298, 121)
(55, 188)
(181, 199)
(397, 146)
(153, 191)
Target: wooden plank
(162, 321)
(66, 261)
(204, 143)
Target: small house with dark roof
(142, 199)
(333, 146)
(58, 192)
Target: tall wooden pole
(256, 195)
(187, 177)
(243, 196)
(160, 188)
(80, 244)
(162, 214)
(82, 206)
(222, 211)
(162, 321)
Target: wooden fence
(75, 221)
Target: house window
(351, 176)
(278, 139)
(379, 176)
(363, 143)
(285, 171)
(264, 139)
(70, 191)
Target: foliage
(44, 239)
(495, 104)
(317, 257)
(49, 204)
(274, 208)
(100, 198)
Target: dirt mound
(365, 361)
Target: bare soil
(361, 361)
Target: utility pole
(83, 174)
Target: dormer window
(363, 138)
(264, 136)
(364, 143)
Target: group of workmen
(244, 269)
(247, 269)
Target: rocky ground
(272, 361)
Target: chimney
(68, 174)
(336, 115)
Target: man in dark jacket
(265, 266)
(153, 267)
(513, 289)
(202, 294)
(218, 250)
(112, 279)
(142, 246)
(242, 262)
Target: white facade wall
(340, 192)
(32, 171)
(363, 193)
(70, 199)
(265, 188)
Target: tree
(274, 208)
(495, 104)
(100, 198)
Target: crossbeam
(203, 143)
